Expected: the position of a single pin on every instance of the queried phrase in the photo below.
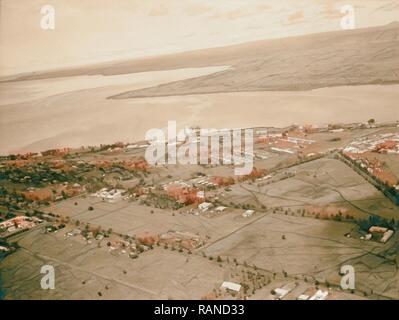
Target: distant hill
(353, 57)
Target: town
(326, 194)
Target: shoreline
(140, 144)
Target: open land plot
(339, 138)
(86, 271)
(376, 271)
(75, 207)
(272, 161)
(318, 183)
(124, 154)
(168, 173)
(316, 249)
(310, 245)
(131, 218)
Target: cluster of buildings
(290, 145)
(203, 181)
(205, 206)
(109, 195)
(130, 165)
(136, 146)
(17, 224)
(382, 143)
(54, 193)
(73, 233)
(363, 152)
(56, 152)
(287, 144)
(208, 207)
(374, 167)
(381, 234)
(281, 293)
(184, 192)
(116, 246)
(193, 190)
(182, 239)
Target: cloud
(388, 6)
(295, 18)
(92, 31)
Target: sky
(92, 31)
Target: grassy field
(83, 271)
(318, 183)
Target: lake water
(43, 114)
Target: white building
(387, 235)
(205, 206)
(248, 213)
(296, 140)
(109, 195)
(319, 295)
(368, 236)
(201, 195)
(283, 150)
(231, 286)
(4, 249)
(280, 293)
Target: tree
(371, 122)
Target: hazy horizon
(100, 31)
(334, 77)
